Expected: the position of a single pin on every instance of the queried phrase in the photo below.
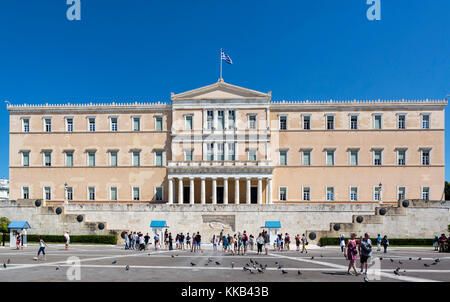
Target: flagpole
(220, 63)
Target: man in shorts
(365, 250)
(266, 242)
(67, 239)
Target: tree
(4, 222)
(447, 191)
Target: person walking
(244, 242)
(188, 241)
(170, 240)
(278, 242)
(214, 243)
(146, 241)
(127, 240)
(141, 242)
(224, 243)
(260, 243)
(304, 243)
(378, 243)
(251, 241)
(287, 241)
(297, 242)
(42, 246)
(342, 243)
(157, 241)
(365, 251)
(351, 254)
(385, 243)
(18, 241)
(266, 242)
(67, 240)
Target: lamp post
(380, 186)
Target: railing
(262, 163)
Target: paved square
(328, 264)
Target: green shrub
(392, 241)
(100, 239)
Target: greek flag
(226, 58)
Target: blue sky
(143, 50)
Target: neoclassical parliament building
(224, 144)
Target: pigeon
(4, 264)
(312, 257)
(435, 260)
(256, 262)
(9, 261)
(410, 258)
(276, 262)
(127, 268)
(57, 268)
(381, 258)
(206, 264)
(391, 260)
(426, 265)
(172, 256)
(260, 270)
(217, 262)
(283, 271)
(114, 262)
(252, 272)
(232, 264)
(365, 279)
(192, 263)
(400, 262)
(245, 269)
(420, 258)
(176, 255)
(404, 271)
(397, 273)
(299, 272)
(280, 266)
(434, 263)
(251, 260)
(247, 264)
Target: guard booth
(18, 227)
(157, 228)
(273, 227)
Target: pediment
(220, 91)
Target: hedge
(102, 239)
(392, 241)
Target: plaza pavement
(328, 264)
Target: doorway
(254, 195)
(186, 194)
(219, 195)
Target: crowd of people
(136, 241)
(441, 243)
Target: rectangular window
(231, 119)
(377, 193)
(425, 121)
(401, 157)
(25, 193)
(354, 122)
(135, 193)
(283, 122)
(69, 193)
(188, 155)
(354, 158)
(330, 158)
(188, 122)
(330, 194)
(210, 119)
(283, 158)
(113, 193)
(401, 123)
(158, 158)
(306, 160)
(114, 124)
(69, 124)
(91, 159)
(210, 151)
(330, 122)
(91, 124)
(69, 159)
(220, 152)
(401, 193)
(426, 193)
(252, 121)
(377, 121)
(306, 193)
(136, 124)
(231, 151)
(136, 158)
(47, 159)
(252, 154)
(25, 159)
(113, 158)
(48, 193)
(283, 193)
(26, 125)
(377, 159)
(353, 194)
(48, 125)
(91, 193)
(425, 157)
(159, 123)
(306, 122)
(159, 193)
(220, 120)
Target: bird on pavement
(251, 260)
(280, 266)
(206, 264)
(299, 272)
(365, 279)
(381, 258)
(435, 260)
(400, 262)
(172, 256)
(391, 260)
(57, 268)
(114, 262)
(260, 270)
(4, 264)
(127, 268)
(426, 265)
(397, 273)
(192, 263)
(252, 272)
(217, 262)
(410, 258)
(245, 269)
(312, 257)
(434, 263)
(420, 258)
(283, 271)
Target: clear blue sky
(143, 50)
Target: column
(248, 190)
(214, 190)
(269, 190)
(203, 191)
(225, 191)
(180, 190)
(191, 190)
(259, 190)
(236, 190)
(170, 191)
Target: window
(283, 193)
(353, 157)
(377, 121)
(113, 158)
(330, 194)
(425, 157)
(188, 155)
(425, 193)
(159, 123)
(158, 193)
(25, 159)
(252, 154)
(330, 122)
(377, 193)
(48, 125)
(353, 194)
(113, 193)
(47, 159)
(283, 122)
(425, 121)
(252, 121)
(353, 122)
(231, 119)
(69, 193)
(377, 157)
(136, 158)
(69, 159)
(91, 193)
(210, 119)
(114, 124)
(220, 120)
(136, 123)
(69, 124)
(220, 152)
(91, 159)
(188, 122)
(306, 193)
(26, 125)
(210, 151)
(401, 194)
(330, 158)
(306, 122)
(401, 122)
(306, 159)
(47, 193)
(283, 158)
(158, 158)
(91, 122)
(231, 151)
(25, 193)
(135, 193)
(401, 157)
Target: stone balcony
(226, 163)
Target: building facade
(224, 144)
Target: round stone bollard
(405, 203)
(58, 211)
(359, 219)
(337, 227)
(38, 203)
(383, 211)
(312, 235)
(101, 226)
(80, 218)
